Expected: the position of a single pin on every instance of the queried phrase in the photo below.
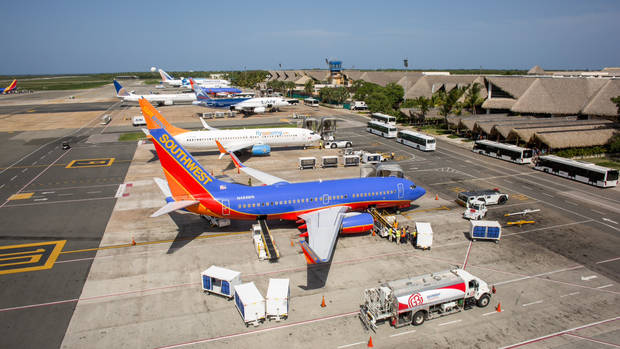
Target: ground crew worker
(396, 235)
(403, 237)
(250, 181)
(415, 237)
(408, 234)
(395, 224)
(390, 234)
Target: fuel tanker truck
(416, 299)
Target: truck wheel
(348, 145)
(502, 200)
(334, 145)
(418, 318)
(484, 301)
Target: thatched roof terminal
(575, 138)
(601, 103)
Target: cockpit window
(412, 186)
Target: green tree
(289, 86)
(395, 92)
(424, 105)
(379, 103)
(614, 144)
(449, 101)
(309, 87)
(616, 100)
(473, 98)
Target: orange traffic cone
(323, 303)
(373, 233)
(499, 307)
(436, 196)
(292, 244)
(133, 242)
(370, 342)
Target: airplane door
(401, 191)
(225, 207)
(325, 199)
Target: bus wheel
(418, 318)
(502, 200)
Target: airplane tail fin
(120, 90)
(201, 95)
(155, 120)
(187, 179)
(164, 76)
(11, 86)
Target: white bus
(416, 140)
(578, 170)
(506, 152)
(381, 129)
(311, 102)
(386, 119)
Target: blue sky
(112, 36)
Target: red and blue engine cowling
(352, 223)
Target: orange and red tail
(155, 120)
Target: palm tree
(289, 85)
(424, 105)
(309, 87)
(473, 98)
(448, 102)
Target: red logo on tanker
(415, 300)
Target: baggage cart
(250, 303)
(220, 280)
(424, 237)
(485, 230)
(307, 163)
(278, 295)
(329, 161)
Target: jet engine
(259, 109)
(356, 222)
(261, 149)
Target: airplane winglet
(234, 158)
(206, 126)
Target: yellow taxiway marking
(104, 162)
(29, 257)
(457, 189)
(520, 222)
(21, 196)
(153, 242)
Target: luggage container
(250, 303)
(220, 280)
(487, 230)
(278, 295)
(424, 237)
(307, 163)
(329, 161)
(219, 114)
(351, 160)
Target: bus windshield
(612, 175)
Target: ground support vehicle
(485, 230)
(337, 144)
(475, 209)
(413, 300)
(489, 197)
(278, 294)
(220, 280)
(250, 303)
(307, 163)
(259, 245)
(424, 235)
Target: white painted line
(48, 192)
(120, 190)
(402, 333)
(43, 157)
(605, 286)
(60, 201)
(64, 194)
(572, 203)
(528, 304)
(562, 296)
(450, 322)
(493, 312)
(13, 177)
(593, 210)
(555, 334)
(592, 340)
(507, 181)
(93, 192)
(608, 260)
(34, 163)
(1, 186)
(43, 199)
(609, 220)
(350, 345)
(588, 278)
(24, 170)
(549, 195)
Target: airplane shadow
(154, 158)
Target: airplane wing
(323, 228)
(174, 206)
(261, 176)
(233, 147)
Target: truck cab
(476, 288)
(475, 209)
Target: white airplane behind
(159, 99)
(210, 83)
(258, 141)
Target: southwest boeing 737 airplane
(11, 87)
(258, 141)
(323, 205)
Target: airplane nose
(418, 192)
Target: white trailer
(278, 295)
(250, 303)
(307, 163)
(485, 230)
(416, 299)
(329, 161)
(350, 160)
(220, 280)
(424, 235)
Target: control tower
(335, 73)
